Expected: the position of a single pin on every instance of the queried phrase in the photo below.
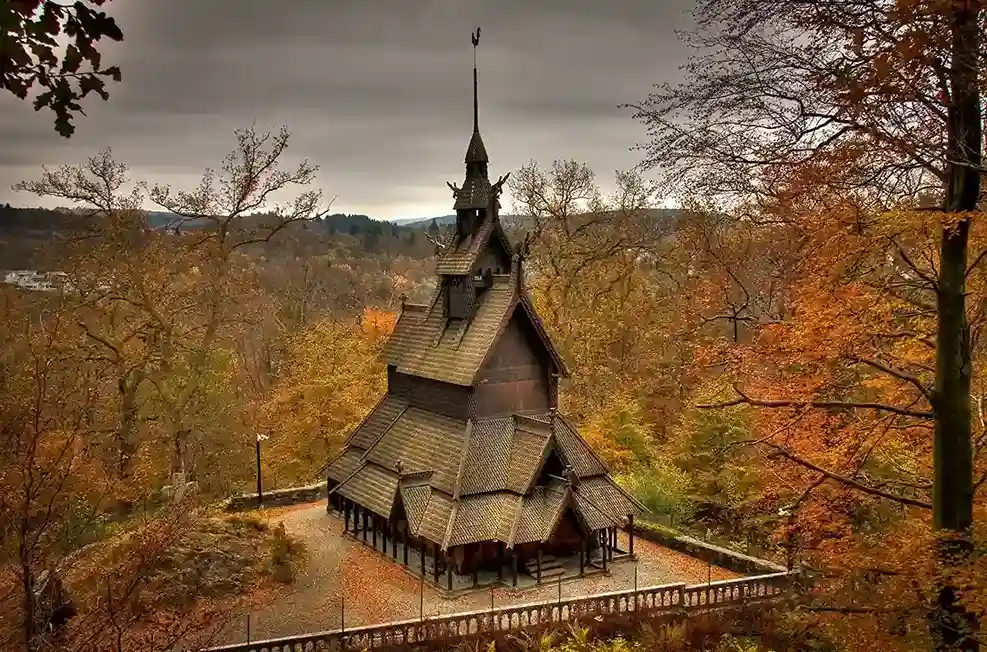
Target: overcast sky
(376, 92)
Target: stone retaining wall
(717, 555)
(277, 497)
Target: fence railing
(650, 601)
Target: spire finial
(476, 105)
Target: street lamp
(260, 491)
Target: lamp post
(260, 490)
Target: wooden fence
(669, 599)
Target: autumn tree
(33, 56)
(599, 276)
(161, 306)
(895, 85)
(330, 381)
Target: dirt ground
(344, 580)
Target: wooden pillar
(604, 542)
(582, 557)
(435, 562)
(514, 567)
(394, 540)
(423, 557)
(630, 534)
(449, 566)
(363, 511)
(383, 533)
(373, 530)
(500, 561)
(538, 566)
(346, 515)
(404, 544)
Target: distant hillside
(423, 222)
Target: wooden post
(394, 540)
(373, 530)
(449, 565)
(630, 534)
(346, 515)
(500, 561)
(514, 567)
(604, 542)
(538, 566)
(582, 557)
(423, 557)
(383, 534)
(363, 511)
(435, 562)
(404, 544)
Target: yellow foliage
(332, 380)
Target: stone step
(546, 561)
(548, 574)
(550, 567)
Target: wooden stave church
(466, 457)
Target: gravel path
(343, 578)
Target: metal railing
(651, 601)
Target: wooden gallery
(465, 462)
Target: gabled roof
(461, 252)
(467, 481)
(422, 344)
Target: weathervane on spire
(476, 106)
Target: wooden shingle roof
(413, 350)
(467, 481)
(461, 253)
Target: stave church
(465, 471)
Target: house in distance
(466, 462)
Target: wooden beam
(630, 534)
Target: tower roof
(476, 152)
(476, 190)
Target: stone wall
(717, 555)
(276, 497)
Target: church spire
(476, 152)
(476, 103)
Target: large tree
(31, 54)
(893, 88)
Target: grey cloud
(376, 92)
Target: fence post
(560, 598)
(248, 629)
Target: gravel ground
(346, 579)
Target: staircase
(551, 568)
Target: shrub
(285, 554)
(662, 487)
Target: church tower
(466, 458)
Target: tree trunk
(953, 492)
(27, 586)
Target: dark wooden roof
(424, 345)
(467, 481)
(460, 254)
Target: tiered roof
(465, 482)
